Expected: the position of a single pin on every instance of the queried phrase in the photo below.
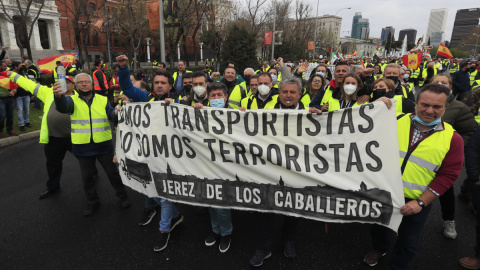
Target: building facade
(411, 35)
(465, 21)
(436, 26)
(385, 31)
(365, 47)
(46, 39)
(360, 27)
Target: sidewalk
(20, 138)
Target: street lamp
(476, 43)
(333, 39)
(342, 9)
(315, 34)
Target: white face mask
(349, 89)
(263, 89)
(199, 90)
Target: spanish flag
(412, 61)
(354, 53)
(47, 65)
(6, 83)
(444, 51)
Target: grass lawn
(35, 120)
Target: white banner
(340, 166)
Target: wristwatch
(421, 203)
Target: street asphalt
(53, 233)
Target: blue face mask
(274, 77)
(407, 76)
(321, 74)
(431, 124)
(217, 103)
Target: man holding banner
(431, 156)
(288, 98)
(162, 85)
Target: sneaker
(147, 217)
(28, 125)
(225, 243)
(259, 257)
(12, 133)
(211, 239)
(91, 208)
(22, 128)
(175, 222)
(289, 249)
(470, 262)
(449, 229)
(162, 242)
(372, 257)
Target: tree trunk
(195, 44)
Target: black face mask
(247, 79)
(84, 94)
(393, 78)
(382, 92)
(187, 88)
(471, 69)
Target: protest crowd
(437, 108)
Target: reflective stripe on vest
(90, 122)
(424, 75)
(472, 77)
(55, 75)
(334, 104)
(327, 95)
(236, 97)
(96, 84)
(421, 165)
(454, 68)
(399, 103)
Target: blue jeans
(6, 111)
(221, 221)
(150, 203)
(23, 109)
(408, 239)
(168, 212)
(38, 104)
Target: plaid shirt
(418, 135)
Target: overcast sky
(399, 14)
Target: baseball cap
(67, 77)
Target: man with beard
(162, 84)
(392, 72)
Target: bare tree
(23, 14)
(133, 22)
(83, 14)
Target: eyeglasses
(317, 81)
(84, 82)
